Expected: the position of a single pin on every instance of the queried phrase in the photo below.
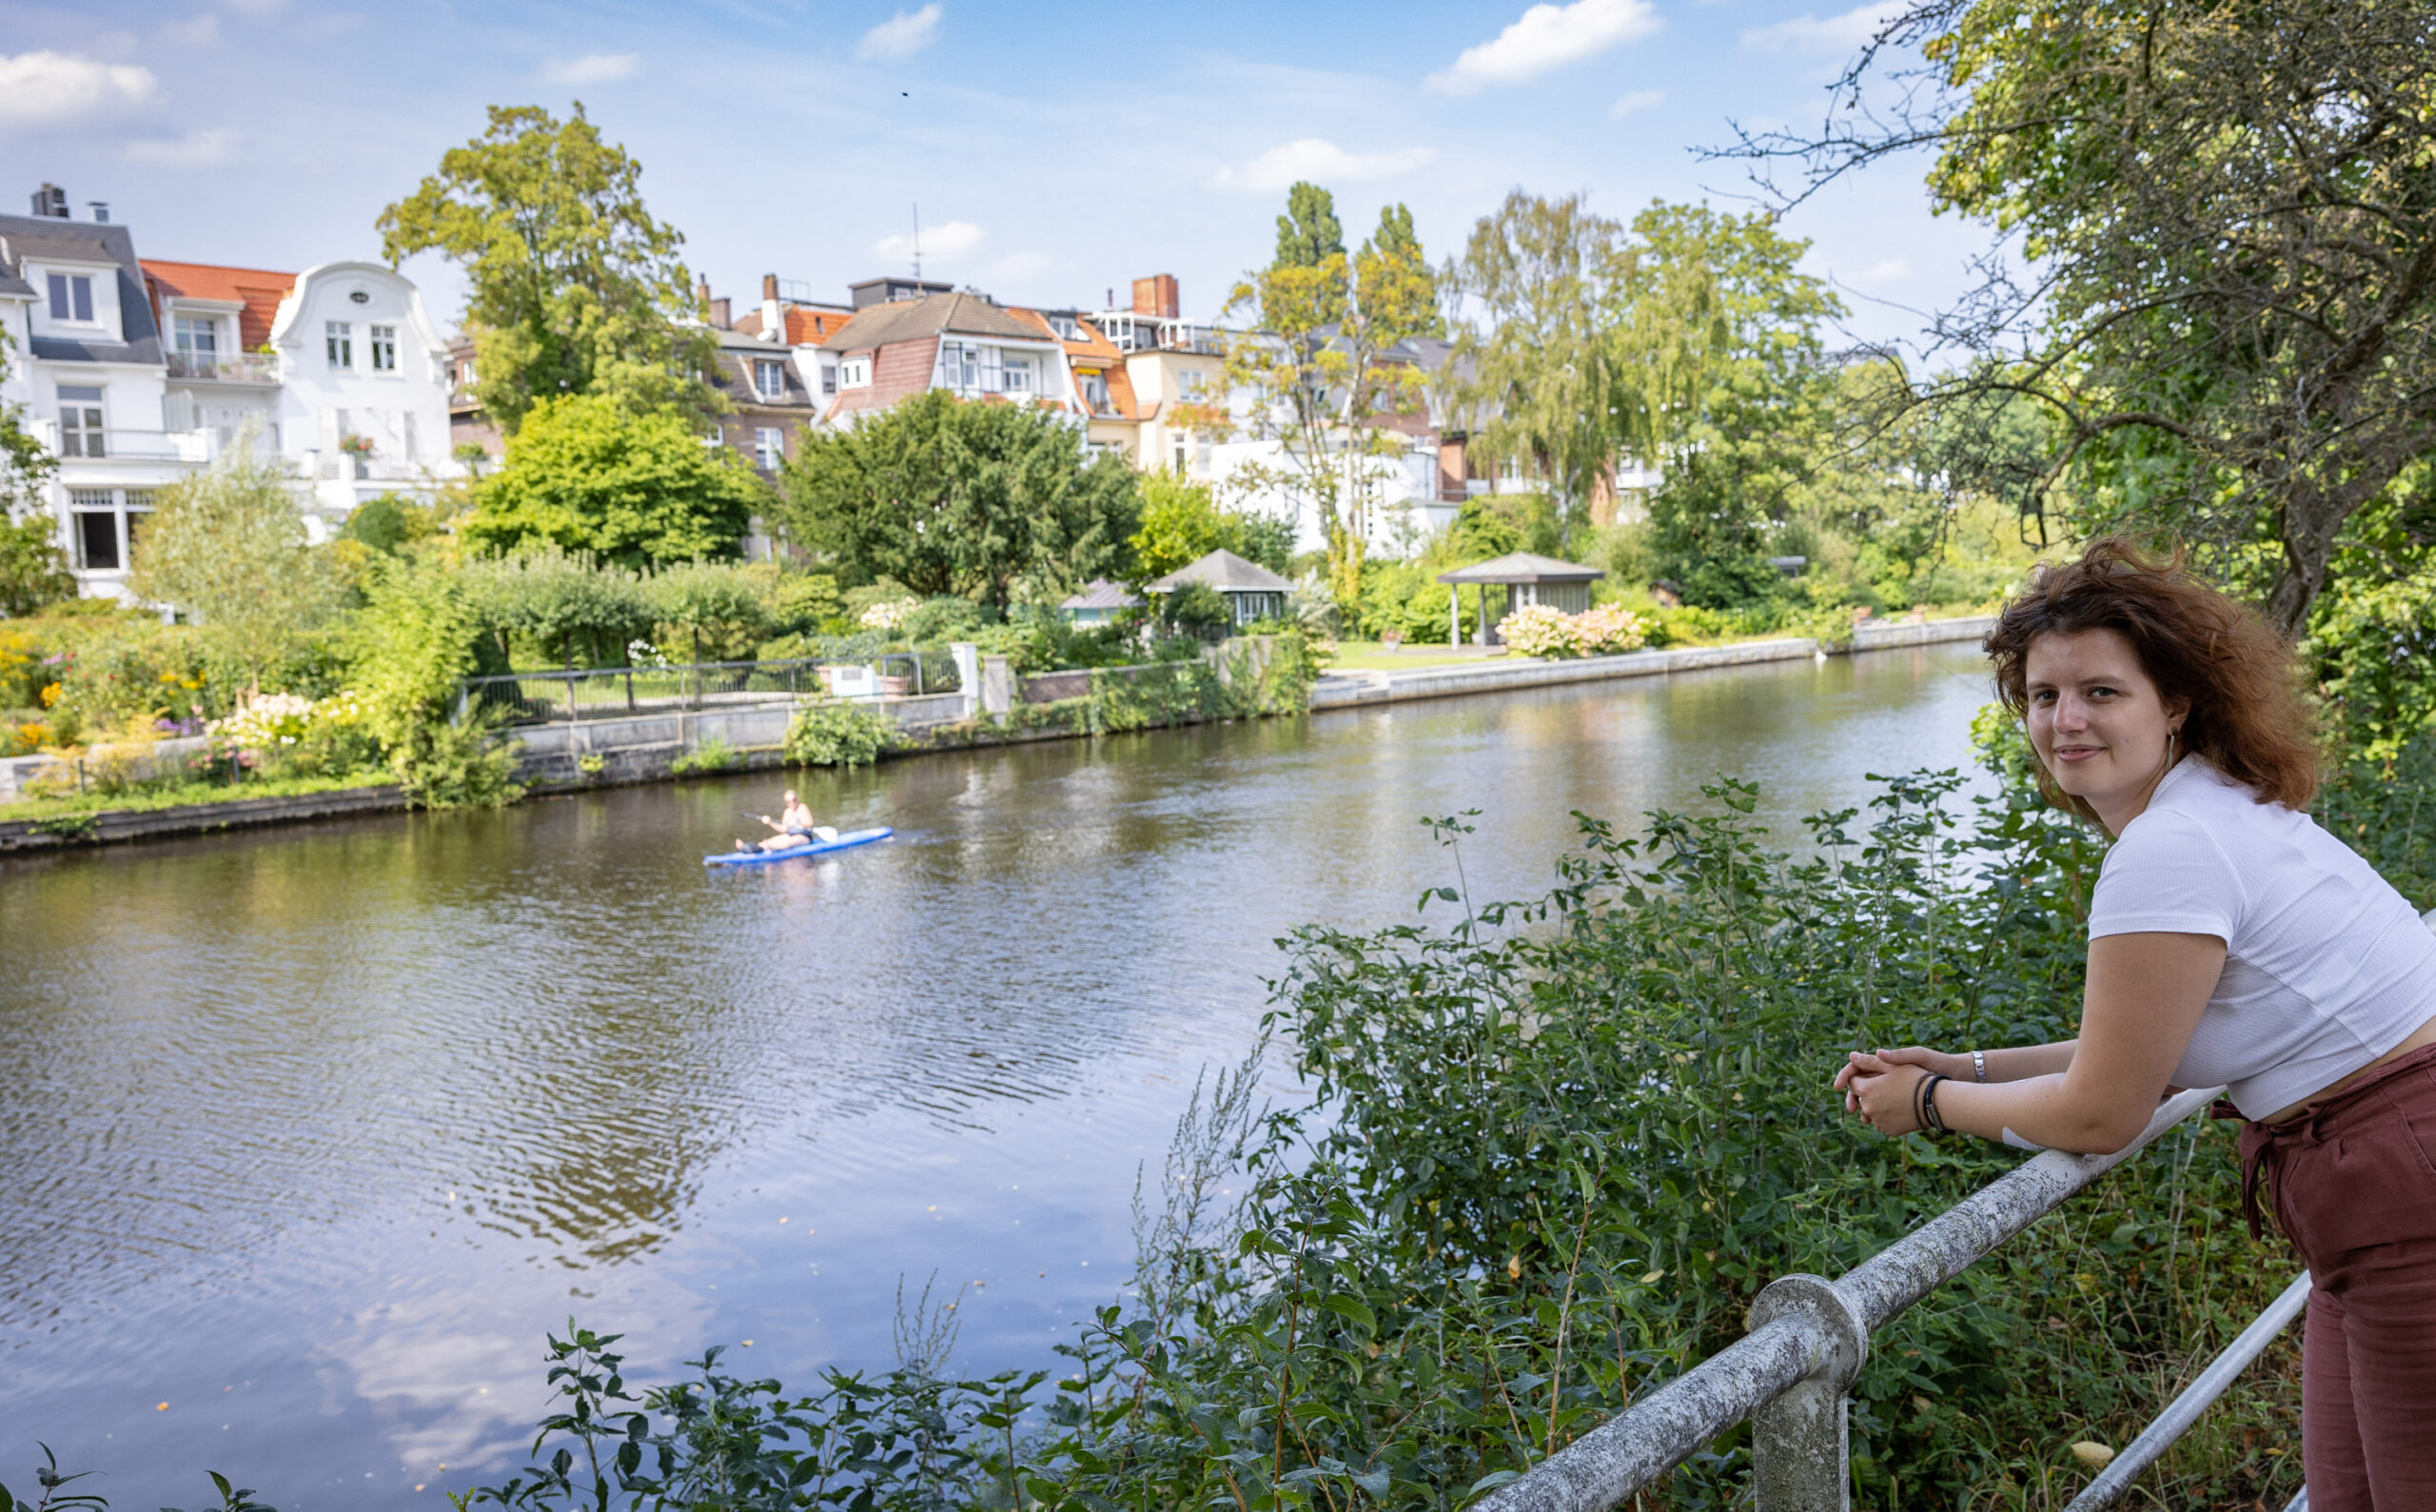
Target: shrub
(711, 754)
(830, 733)
(283, 734)
(1543, 630)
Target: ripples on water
(310, 1133)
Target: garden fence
(616, 692)
(1791, 1374)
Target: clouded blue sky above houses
(1055, 152)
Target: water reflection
(312, 1134)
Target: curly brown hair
(2240, 678)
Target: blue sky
(1055, 152)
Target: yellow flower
(51, 694)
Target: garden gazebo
(1526, 579)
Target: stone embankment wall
(1359, 689)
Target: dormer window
(337, 342)
(855, 372)
(72, 296)
(769, 378)
(197, 336)
(1067, 328)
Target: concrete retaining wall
(1358, 689)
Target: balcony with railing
(120, 445)
(223, 367)
(1791, 1375)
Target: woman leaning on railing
(2231, 940)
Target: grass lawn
(152, 797)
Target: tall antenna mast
(918, 241)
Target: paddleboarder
(794, 826)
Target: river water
(307, 1136)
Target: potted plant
(357, 450)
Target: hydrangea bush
(1543, 630)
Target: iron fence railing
(615, 693)
(1791, 1375)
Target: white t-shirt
(2327, 967)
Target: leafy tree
(1182, 523)
(1308, 232)
(717, 607)
(558, 602)
(1321, 368)
(969, 498)
(1538, 353)
(228, 548)
(2230, 310)
(34, 571)
(577, 290)
(417, 633)
(1719, 375)
(1396, 238)
(588, 473)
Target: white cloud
(1547, 36)
(196, 150)
(955, 239)
(1638, 100)
(593, 68)
(903, 35)
(1321, 162)
(51, 89)
(1837, 34)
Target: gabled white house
(340, 365)
(135, 374)
(87, 366)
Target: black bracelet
(1928, 1099)
(1920, 1114)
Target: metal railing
(228, 368)
(1791, 1374)
(616, 693)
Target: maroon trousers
(2353, 1182)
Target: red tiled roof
(258, 289)
(805, 328)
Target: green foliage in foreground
(1555, 1150)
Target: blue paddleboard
(844, 842)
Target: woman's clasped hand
(1884, 1086)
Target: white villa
(137, 373)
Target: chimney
(719, 317)
(774, 318)
(1155, 295)
(100, 209)
(51, 202)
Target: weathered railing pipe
(2184, 1410)
(1792, 1373)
